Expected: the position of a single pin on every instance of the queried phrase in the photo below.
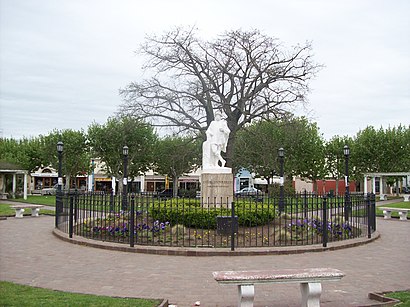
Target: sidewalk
(30, 254)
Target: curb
(382, 299)
(164, 303)
(203, 251)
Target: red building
(329, 186)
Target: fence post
(57, 206)
(70, 218)
(324, 221)
(76, 205)
(347, 206)
(305, 204)
(233, 226)
(112, 200)
(373, 209)
(132, 221)
(369, 216)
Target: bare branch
(246, 75)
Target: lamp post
(281, 154)
(59, 209)
(125, 179)
(346, 152)
(92, 175)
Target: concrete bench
(406, 197)
(402, 212)
(35, 209)
(309, 280)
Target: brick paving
(30, 254)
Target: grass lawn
(403, 296)
(38, 200)
(5, 210)
(402, 204)
(19, 295)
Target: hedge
(190, 215)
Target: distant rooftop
(8, 166)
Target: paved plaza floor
(30, 254)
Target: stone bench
(388, 211)
(35, 209)
(406, 197)
(309, 280)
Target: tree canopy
(75, 158)
(27, 153)
(176, 156)
(382, 150)
(258, 145)
(107, 141)
(245, 75)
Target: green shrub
(190, 215)
(274, 190)
(187, 193)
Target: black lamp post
(281, 154)
(92, 175)
(125, 179)
(59, 207)
(346, 152)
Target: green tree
(406, 148)
(335, 159)
(27, 152)
(367, 144)
(245, 75)
(258, 144)
(75, 158)
(305, 148)
(176, 156)
(257, 149)
(382, 150)
(107, 140)
(395, 156)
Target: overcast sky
(63, 62)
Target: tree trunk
(175, 186)
(230, 150)
(120, 187)
(67, 183)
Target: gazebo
(7, 168)
(373, 177)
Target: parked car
(249, 191)
(167, 193)
(49, 191)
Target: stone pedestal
(217, 187)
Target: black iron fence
(145, 219)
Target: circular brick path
(30, 254)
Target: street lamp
(60, 146)
(59, 207)
(281, 154)
(125, 179)
(346, 152)
(92, 175)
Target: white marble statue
(217, 136)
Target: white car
(249, 191)
(49, 191)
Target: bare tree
(245, 75)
